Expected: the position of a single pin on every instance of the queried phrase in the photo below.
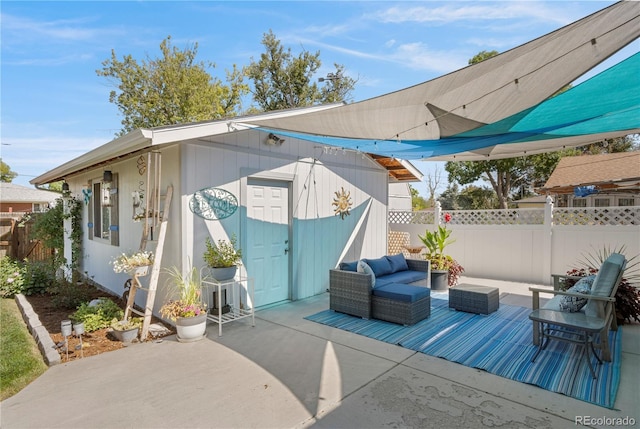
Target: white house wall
(226, 162)
(97, 253)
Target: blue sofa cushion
(380, 266)
(349, 266)
(397, 262)
(402, 277)
(402, 292)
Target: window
(626, 201)
(581, 202)
(601, 202)
(103, 212)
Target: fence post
(547, 244)
(437, 211)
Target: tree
(433, 181)
(282, 81)
(6, 175)
(417, 202)
(170, 90)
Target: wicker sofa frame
(351, 293)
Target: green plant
(38, 276)
(125, 325)
(66, 294)
(436, 242)
(11, 277)
(188, 287)
(97, 316)
(222, 255)
(21, 361)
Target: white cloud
(455, 12)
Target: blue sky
(54, 107)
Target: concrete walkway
(287, 372)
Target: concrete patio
(287, 372)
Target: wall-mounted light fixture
(65, 187)
(107, 176)
(274, 140)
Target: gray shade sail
(482, 93)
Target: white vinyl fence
(526, 245)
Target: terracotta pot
(191, 328)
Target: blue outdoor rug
(499, 343)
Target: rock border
(40, 334)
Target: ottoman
(474, 299)
(401, 303)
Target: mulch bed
(93, 343)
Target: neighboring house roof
(12, 193)
(142, 140)
(610, 171)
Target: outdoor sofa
(395, 289)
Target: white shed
(286, 192)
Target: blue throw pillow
(364, 268)
(349, 266)
(573, 304)
(380, 266)
(397, 262)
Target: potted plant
(136, 263)
(223, 258)
(188, 312)
(444, 269)
(126, 330)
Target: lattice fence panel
(411, 217)
(597, 216)
(497, 217)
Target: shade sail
(606, 105)
(507, 92)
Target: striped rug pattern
(499, 343)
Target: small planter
(439, 280)
(225, 273)
(125, 335)
(191, 329)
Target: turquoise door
(267, 240)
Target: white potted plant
(188, 312)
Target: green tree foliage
(6, 175)
(417, 202)
(171, 89)
(481, 56)
(283, 81)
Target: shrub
(97, 316)
(38, 276)
(11, 277)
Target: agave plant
(628, 294)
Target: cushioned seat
(408, 276)
(402, 292)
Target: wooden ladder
(157, 217)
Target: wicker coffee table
(474, 298)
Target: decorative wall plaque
(343, 203)
(213, 203)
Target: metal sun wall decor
(213, 203)
(342, 203)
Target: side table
(239, 300)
